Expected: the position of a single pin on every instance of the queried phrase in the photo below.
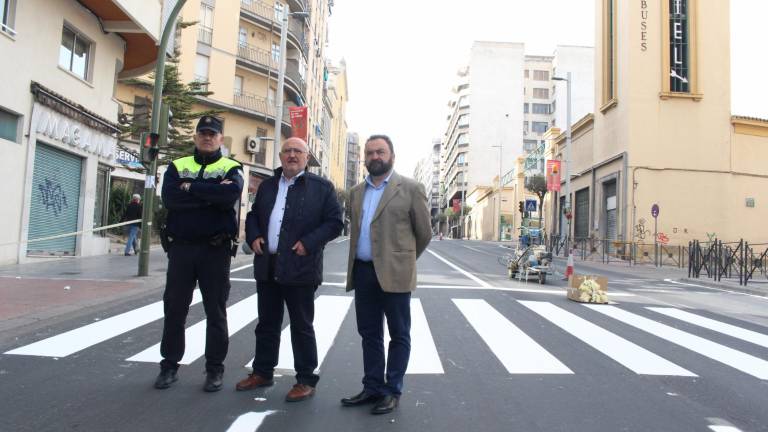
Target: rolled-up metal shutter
(55, 201)
(609, 191)
(581, 216)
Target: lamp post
(568, 81)
(281, 81)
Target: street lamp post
(568, 81)
(281, 82)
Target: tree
(537, 184)
(180, 97)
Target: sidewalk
(51, 287)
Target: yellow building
(58, 117)
(662, 133)
(338, 96)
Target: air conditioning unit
(252, 144)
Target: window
(541, 75)
(101, 206)
(7, 16)
(463, 101)
(539, 127)
(541, 108)
(260, 157)
(461, 159)
(205, 32)
(463, 120)
(201, 69)
(242, 37)
(540, 93)
(526, 108)
(527, 73)
(609, 53)
(279, 7)
(9, 126)
(238, 85)
(75, 53)
(276, 52)
(530, 145)
(679, 56)
(462, 139)
(525, 127)
(271, 95)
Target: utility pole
(150, 180)
(568, 80)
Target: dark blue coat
(312, 215)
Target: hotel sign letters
(679, 57)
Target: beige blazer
(400, 232)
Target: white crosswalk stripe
(516, 350)
(720, 327)
(633, 357)
(424, 358)
(329, 314)
(736, 359)
(238, 316)
(81, 338)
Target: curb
(727, 287)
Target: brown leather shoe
(253, 381)
(299, 392)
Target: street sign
(655, 210)
(530, 205)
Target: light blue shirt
(371, 199)
(276, 217)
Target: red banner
(553, 175)
(456, 205)
(299, 119)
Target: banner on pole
(299, 119)
(553, 175)
(456, 205)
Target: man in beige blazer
(390, 229)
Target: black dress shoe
(386, 405)
(362, 398)
(213, 381)
(165, 378)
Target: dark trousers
(371, 305)
(208, 266)
(300, 300)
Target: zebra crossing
(515, 350)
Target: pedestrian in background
(390, 230)
(294, 215)
(202, 195)
(133, 212)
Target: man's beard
(378, 167)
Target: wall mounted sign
(679, 53)
(643, 25)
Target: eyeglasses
(292, 151)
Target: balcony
(205, 35)
(265, 15)
(256, 55)
(203, 82)
(259, 105)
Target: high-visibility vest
(188, 168)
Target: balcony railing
(292, 72)
(258, 104)
(205, 35)
(259, 8)
(203, 82)
(256, 55)
(296, 26)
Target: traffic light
(521, 206)
(148, 146)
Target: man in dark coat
(133, 212)
(294, 215)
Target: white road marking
(633, 357)
(720, 327)
(249, 422)
(717, 289)
(517, 351)
(424, 358)
(238, 316)
(330, 312)
(725, 429)
(341, 240)
(80, 338)
(478, 250)
(241, 268)
(736, 359)
(465, 273)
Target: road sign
(655, 210)
(530, 205)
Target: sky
(402, 57)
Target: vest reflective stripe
(189, 168)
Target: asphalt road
(489, 354)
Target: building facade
(662, 134)
(427, 172)
(58, 117)
(352, 173)
(339, 95)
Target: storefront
(71, 154)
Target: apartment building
(58, 116)
(352, 173)
(338, 95)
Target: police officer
(201, 193)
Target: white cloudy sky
(402, 56)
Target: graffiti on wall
(641, 231)
(52, 196)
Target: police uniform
(200, 228)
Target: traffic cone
(569, 267)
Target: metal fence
(615, 251)
(717, 259)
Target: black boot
(213, 381)
(165, 378)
